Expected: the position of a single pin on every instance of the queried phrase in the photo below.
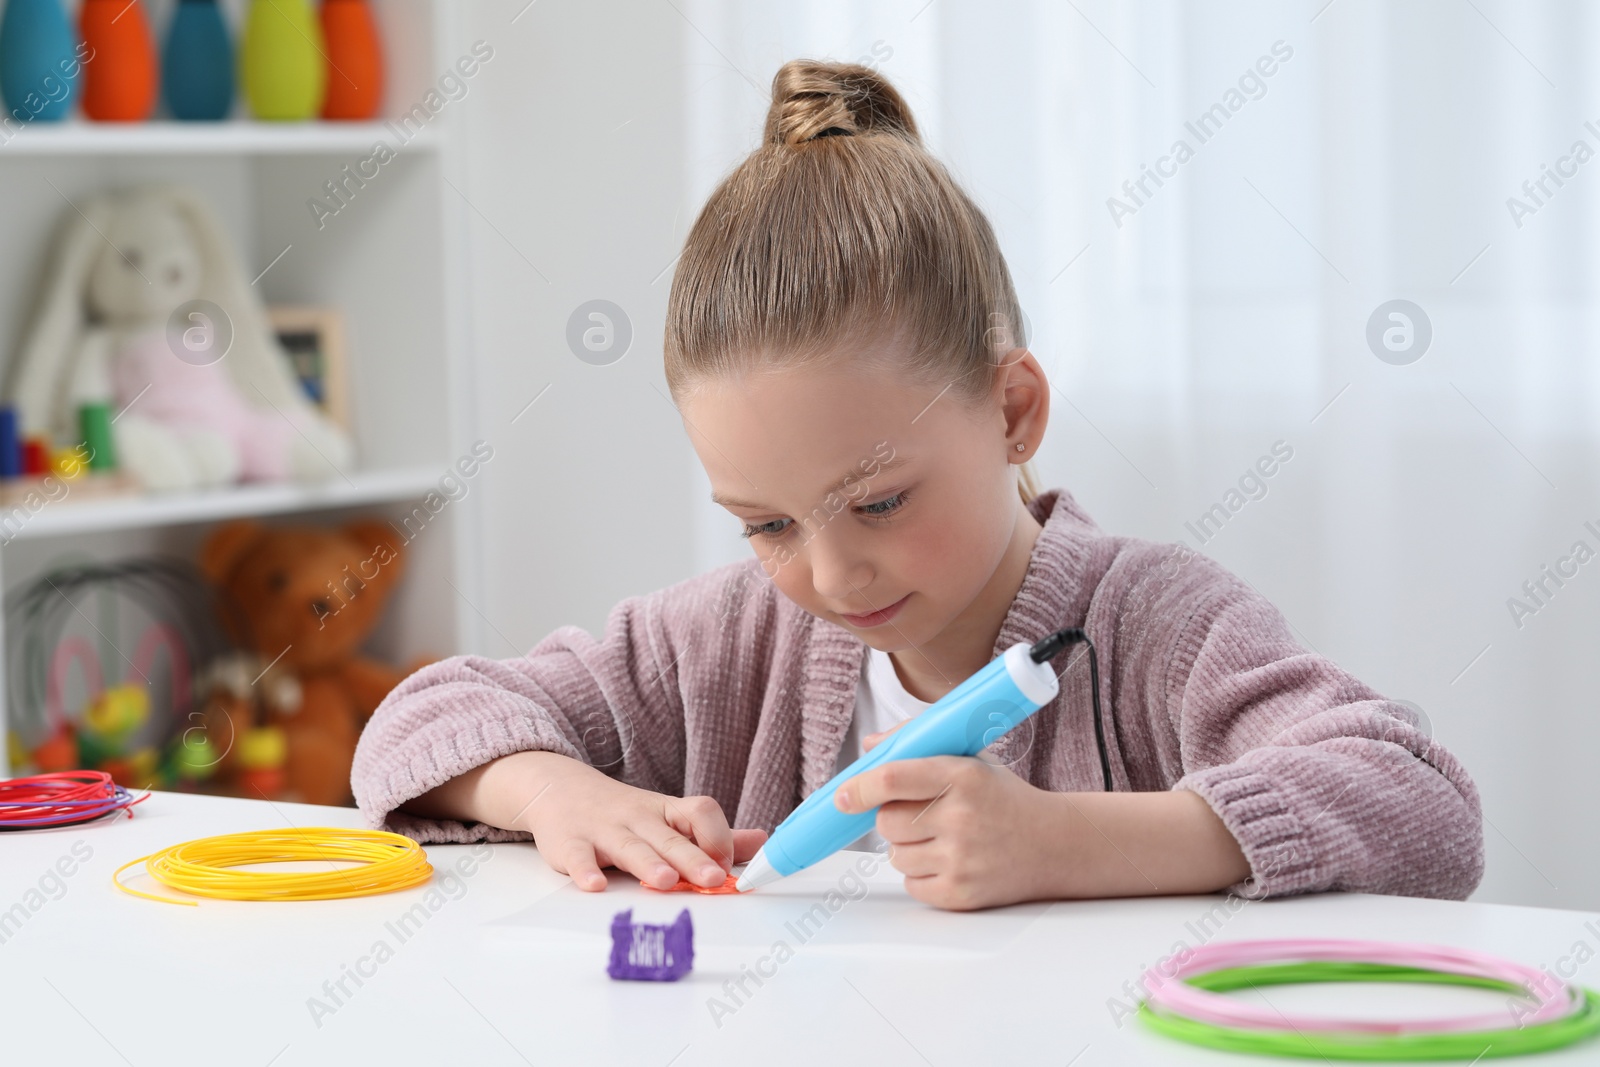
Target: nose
(839, 571)
(319, 608)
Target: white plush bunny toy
(123, 263)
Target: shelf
(166, 509)
(239, 137)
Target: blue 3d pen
(964, 721)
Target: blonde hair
(841, 228)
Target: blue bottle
(10, 443)
(197, 63)
(39, 64)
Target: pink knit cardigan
(722, 686)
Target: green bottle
(94, 423)
(281, 70)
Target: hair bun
(812, 99)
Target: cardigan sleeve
(611, 702)
(1325, 784)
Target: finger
(926, 888)
(907, 779)
(746, 843)
(686, 857)
(579, 862)
(639, 858)
(916, 861)
(702, 820)
(872, 740)
(906, 822)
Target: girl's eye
(885, 507)
(775, 528)
(879, 510)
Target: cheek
(956, 543)
(793, 578)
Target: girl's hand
(590, 821)
(872, 741)
(965, 833)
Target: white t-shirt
(881, 703)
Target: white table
(510, 966)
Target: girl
(841, 342)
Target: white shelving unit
(392, 259)
(171, 509)
(237, 137)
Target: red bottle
(119, 82)
(355, 60)
(35, 456)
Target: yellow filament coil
(387, 862)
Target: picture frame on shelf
(313, 338)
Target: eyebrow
(887, 465)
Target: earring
(1021, 447)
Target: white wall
(575, 134)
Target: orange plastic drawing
(729, 885)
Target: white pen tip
(757, 874)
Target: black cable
(1046, 648)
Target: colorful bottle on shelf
(355, 60)
(197, 64)
(94, 423)
(281, 69)
(119, 85)
(35, 457)
(10, 444)
(39, 60)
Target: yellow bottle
(281, 70)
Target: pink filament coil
(1169, 992)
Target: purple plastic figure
(649, 952)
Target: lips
(876, 618)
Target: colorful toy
(281, 69)
(305, 599)
(94, 428)
(146, 299)
(110, 694)
(119, 85)
(263, 751)
(59, 751)
(10, 444)
(197, 63)
(355, 60)
(35, 456)
(104, 739)
(39, 60)
(645, 952)
(106, 733)
(190, 761)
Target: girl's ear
(1024, 401)
(36, 380)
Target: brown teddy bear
(303, 600)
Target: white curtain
(1340, 156)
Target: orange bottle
(355, 60)
(119, 84)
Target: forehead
(773, 435)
